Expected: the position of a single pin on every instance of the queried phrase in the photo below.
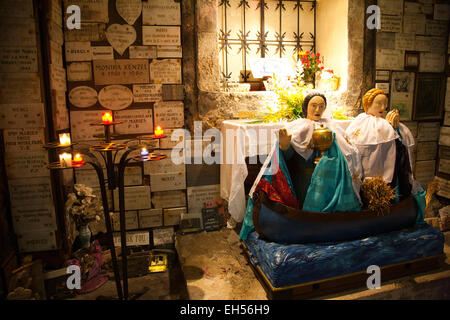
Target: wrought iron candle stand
(106, 150)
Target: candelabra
(108, 152)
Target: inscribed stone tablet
(27, 164)
(134, 121)
(91, 10)
(136, 238)
(129, 10)
(80, 124)
(79, 71)
(88, 32)
(83, 97)
(102, 53)
(23, 139)
(197, 196)
(168, 181)
(56, 57)
(142, 52)
(27, 115)
(135, 197)
(18, 59)
(167, 199)
(163, 12)
(36, 241)
(20, 31)
(34, 218)
(431, 62)
(78, 51)
(166, 71)
(391, 23)
(170, 52)
(124, 71)
(390, 59)
(133, 176)
(147, 92)
(150, 218)
(169, 114)
(57, 78)
(163, 166)
(61, 114)
(16, 8)
(30, 191)
(120, 36)
(163, 236)
(19, 88)
(55, 32)
(115, 97)
(161, 36)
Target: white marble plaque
(79, 71)
(80, 124)
(163, 166)
(423, 43)
(383, 86)
(150, 218)
(134, 121)
(78, 51)
(57, 78)
(414, 23)
(124, 71)
(16, 8)
(30, 191)
(404, 41)
(197, 196)
(102, 53)
(56, 57)
(391, 23)
(18, 59)
(436, 28)
(431, 62)
(22, 140)
(147, 92)
(168, 181)
(61, 114)
(166, 71)
(27, 164)
(20, 88)
(37, 241)
(143, 52)
(34, 218)
(426, 151)
(129, 10)
(87, 32)
(164, 12)
(391, 6)
(441, 11)
(163, 236)
(390, 59)
(136, 198)
(169, 114)
(170, 52)
(115, 97)
(131, 220)
(167, 199)
(26, 115)
(428, 131)
(133, 176)
(91, 10)
(424, 171)
(161, 36)
(83, 97)
(172, 216)
(444, 136)
(120, 36)
(135, 238)
(171, 141)
(19, 32)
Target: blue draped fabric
(331, 188)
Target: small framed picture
(382, 75)
(429, 96)
(412, 60)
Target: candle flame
(64, 139)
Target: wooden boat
(278, 223)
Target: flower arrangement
(310, 64)
(83, 206)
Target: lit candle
(64, 139)
(144, 152)
(77, 158)
(107, 118)
(159, 133)
(65, 159)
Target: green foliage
(338, 114)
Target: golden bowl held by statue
(322, 140)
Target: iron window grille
(263, 28)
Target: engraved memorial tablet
(115, 97)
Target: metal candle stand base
(106, 150)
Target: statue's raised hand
(393, 117)
(284, 139)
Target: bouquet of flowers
(83, 206)
(310, 64)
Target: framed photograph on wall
(429, 96)
(412, 60)
(402, 93)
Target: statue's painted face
(316, 107)
(378, 106)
